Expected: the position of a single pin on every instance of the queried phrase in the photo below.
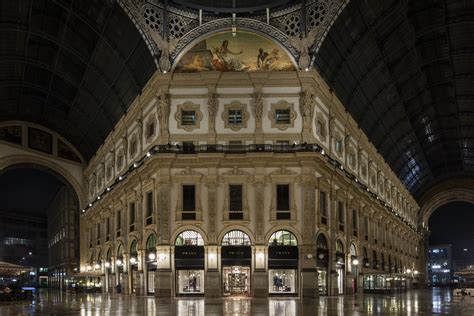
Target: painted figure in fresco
(262, 55)
(225, 55)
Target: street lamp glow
(97, 266)
(107, 264)
(133, 260)
(119, 262)
(355, 262)
(151, 256)
(408, 270)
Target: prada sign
(189, 257)
(236, 255)
(281, 257)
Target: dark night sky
(453, 223)
(27, 190)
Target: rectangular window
(283, 201)
(282, 116)
(107, 229)
(98, 233)
(235, 117)
(189, 202)
(323, 211)
(283, 197)
(366, 227)
(150, 129)
(235, 201)
(235, 145)
(188, 147)
(354, 220)
(340, 215)
(338, 145)
(188, 117)
(149, 208)
(132, 216)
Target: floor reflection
(416, 302)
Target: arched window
(321, 242)
(151, 243)
(339, 247)
(109, 255)
(189, 238)
(353, 250)
(92, 258)
(99, 257)
(120, 252)
(236, 238)
(282, 238)
(133, 249)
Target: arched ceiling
(73, 66)
(405, 71)
(233, 6)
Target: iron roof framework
(404, 70)
(71, 65)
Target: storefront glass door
(236, 280)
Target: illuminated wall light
(90, 204)
(83, 211)
(89, 268)
(148, 154)
(120, 178)
(133, 260)
(135, 165)
(97, 266)
(118, 262)
(107, 264)
(108, 189)
(98, 198)
(152, 256)
(322, 152)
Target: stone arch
(438, 199)
(245, 24)
(39, 162)
(287, 228)
(241, 228)
(188, 227)
(146, 235)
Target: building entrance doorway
(236, 280)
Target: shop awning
(10, 269)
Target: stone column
(163, 274)
(309, 273)
(211, 184)
(259, 280)
(259, 207)
(258, 112)
(212, 111)
(140, 281)
(212, 286)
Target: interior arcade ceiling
(403, 69)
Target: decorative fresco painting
(243, 52)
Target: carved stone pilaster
(307, 105)
(164, 192)
(259, 198)
(163, 112)
(309, 212)
(212, 112)
(258, 113)
(211, 203)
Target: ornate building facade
(223, 183)
(237, 171)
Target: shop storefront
(282, 264)
(322, 264)
(133, 266)
(150, 263)
(340, 267)
(384, 283)
(120, 269)
(189, 263)
(109, 277)
(236, 259)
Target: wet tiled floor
(414, 302)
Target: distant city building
(23, 240)
(63, 238)
(440, 265)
